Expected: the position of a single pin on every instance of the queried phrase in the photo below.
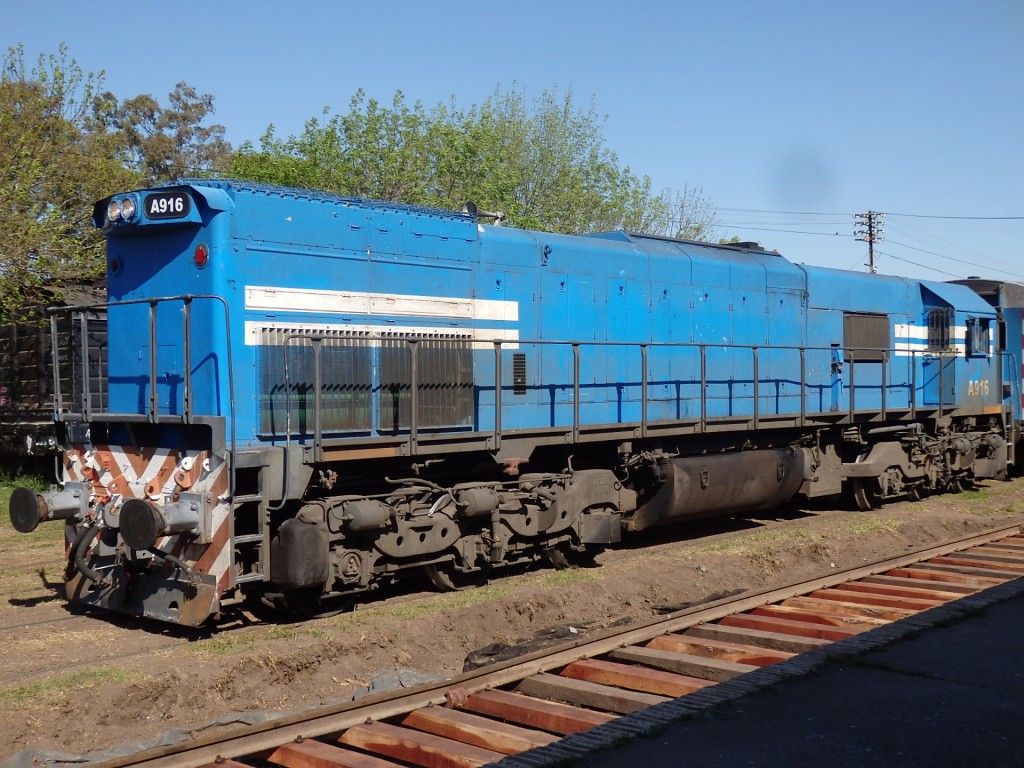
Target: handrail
(880, 355)
(153, 414)
(874, 355)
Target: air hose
(80, 546)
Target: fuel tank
(721, 484)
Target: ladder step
(249, 538)
(248, 577)
(246, 498)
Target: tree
(543, 162)
(689, 214)
(548, 167)
(164, 143)
(54, 163)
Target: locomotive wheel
(866, 495)
(446, 578)
(562, 556)
(313, 604)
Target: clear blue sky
(810, 107)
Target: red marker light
(201, 257)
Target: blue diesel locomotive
(308, 396)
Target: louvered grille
(444, 375)
(346, 376)
(519, 373)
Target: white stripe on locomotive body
(306, 300)
(481, 337)
(357, 303)
(914, 339)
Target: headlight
(113, 210)
(128, 208)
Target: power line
(888, 213)
(787, 213)
(790, 231)
(925, 236)
(972, 264)
(961, 218)
(916, 264)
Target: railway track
(484, 716)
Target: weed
(975, 495)
(756, 542)
(568, 577)
(223, 645)
(448, 601)
(9, 482)
(874, 525)
(57, 690)
(226, 644)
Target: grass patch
(50, 534)
(975, 495)
(874, 525)
(9, 482)
(444, 602)
(568, 577)
(755, 542)
(57, 690)
(229, 644)
(223, 645)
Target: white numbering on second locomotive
(977, 388)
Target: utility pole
(868, 229)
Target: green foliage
(54, 164)
(543, 163)
(65, 143)
(164, 143)
(8, 482)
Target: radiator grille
(445, 377)
(345, 374)
(359, 369)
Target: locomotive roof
(318, 195)
(634, 237)
(1005, 293)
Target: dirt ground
(78, 683)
